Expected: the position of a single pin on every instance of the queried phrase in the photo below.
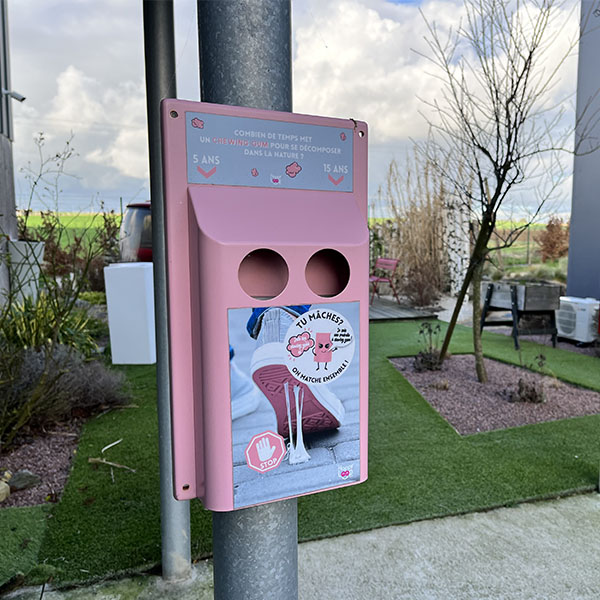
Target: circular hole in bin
(263, 274)
(327, 273)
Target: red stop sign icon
(265, 451)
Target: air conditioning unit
(577, 318)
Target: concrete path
(544, 550)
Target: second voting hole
(327, 273)
(263, 274)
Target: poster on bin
(294, 383)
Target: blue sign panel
(238, 151)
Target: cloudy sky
(80, 65)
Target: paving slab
(537, 551)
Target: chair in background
(383, 272)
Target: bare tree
(495, 123)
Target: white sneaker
(245, 397)
(322, 409)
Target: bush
(419, 233)
(46, 341)
(36, 323)
(543, 273)
(69, 255)
(74, 257)
(50, 385)
(553, 240)
(93, 297)
(428, 358)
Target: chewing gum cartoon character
(323, 349)
(293, 169)
(197, 123)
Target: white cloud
(353, 60)
(80, 64)
(364, 59)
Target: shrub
(36, 323)
(93, 297)
(83, 254)
(543, 273)
(428, 359)
(560, 275)
(49, 385)
(529, 389)
(419, 231)
(553, 240)
(67, 254)
(45, 343)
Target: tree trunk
(477, 346)
(477, 256)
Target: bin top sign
(252, 152)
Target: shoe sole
(315, 417)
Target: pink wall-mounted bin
(268, 253)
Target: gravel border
(471, 407)
(48, 456)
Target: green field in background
(72, 225)
(79, 221)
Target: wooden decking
(386, 309)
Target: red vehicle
(135, 237)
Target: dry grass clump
(422, 230)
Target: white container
(130, 301)
(24, 267)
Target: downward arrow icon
(207, 174)
(334, 181)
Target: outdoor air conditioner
(577, 318)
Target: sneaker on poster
(245, 398)
(322, 409)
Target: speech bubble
(342, 337)
(299, 344)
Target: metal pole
(245, 60)
(159, 47)
(245, 53)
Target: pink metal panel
(210, 229)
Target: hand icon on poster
(264, 449)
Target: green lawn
(69, 220)
(72, 224)
(419, 468)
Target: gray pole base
(256, 552)
(159, 45)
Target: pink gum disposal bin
(268, 253)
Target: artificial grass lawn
(419, 467)
(21, 533)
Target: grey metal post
(8, 215)
(245, 60)
(159, 46)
